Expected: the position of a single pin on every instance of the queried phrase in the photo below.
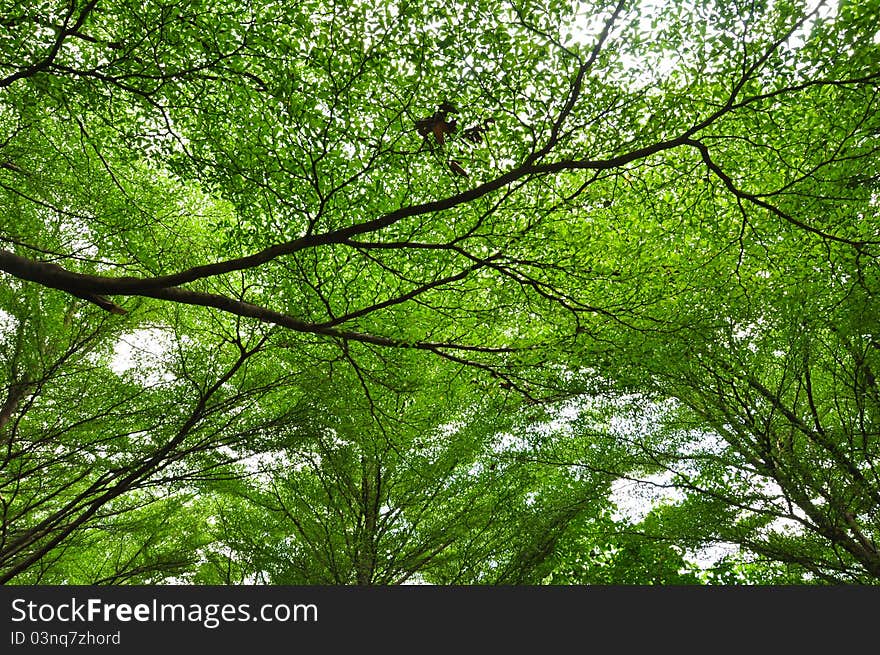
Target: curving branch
(756, 200)
(64, 31)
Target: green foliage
(258, 324)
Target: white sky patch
(265, 466)
(141, 354)
(450, 428)
(565, 416)
(507, 442)
(776, 499)
(825, 10)
(80, 237)
(644, 70)
(635, 498)
(8, 324)
(709, 556)
(787, 526)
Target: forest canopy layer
(482, 292)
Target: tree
(543, 200)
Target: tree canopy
(386, 292)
